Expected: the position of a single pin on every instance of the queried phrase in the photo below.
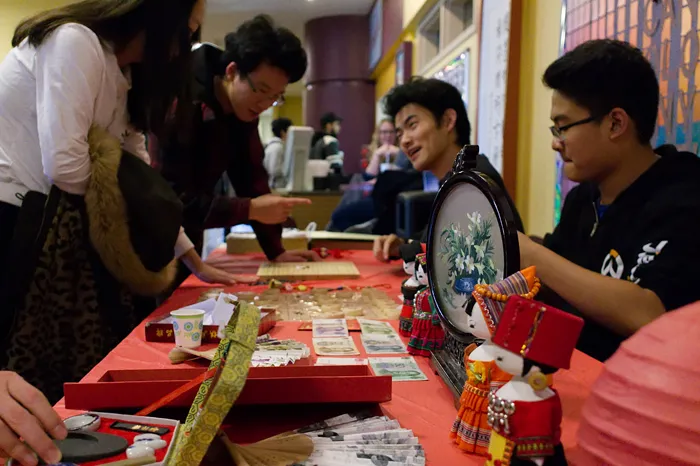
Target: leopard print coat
(76, 305)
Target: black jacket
(648, 235)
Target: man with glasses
(626, 247)
(232, 87)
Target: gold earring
(537, 380)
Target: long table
(425, 407)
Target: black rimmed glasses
(558, 132)
(276, 99)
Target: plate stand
(448, 363)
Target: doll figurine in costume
(525, 415)
(427, 333)
(471, 431)
(410, 286)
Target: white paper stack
(270, 352)
(361, 439)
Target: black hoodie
(648, 235)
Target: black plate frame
(464, 171)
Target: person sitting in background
(626, 247)
(360, 211)
(325, 143)
(432, 127)
(384, 151)
(274, 153)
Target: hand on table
(210, 274)
(26, 413)
(271, 209)
(386, 247)
(298, 256)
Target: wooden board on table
(308, 270)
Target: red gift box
(159, 332)
(118, 389)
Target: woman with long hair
(383, 149)
(78, 91)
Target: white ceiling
(224, 16)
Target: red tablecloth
(425, 407)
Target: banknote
(339, 421)
(362, 439)
(383, 344)
(323, 328)
(341, 362)
(376, 327)
(357, 428)
(379, 437)
(401, 369)
(340, 346)
(376, 458)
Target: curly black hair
(603, 74)
(434, 95)
(259, 41)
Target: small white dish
(156, 444)
(138, 450)
(83, 423)
(141, 437)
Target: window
(429, 38)
(458, 16)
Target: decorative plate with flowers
(468, 246)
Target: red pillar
(338, 80)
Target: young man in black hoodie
(626, 247)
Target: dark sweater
(221, 143)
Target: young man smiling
(232, 88)
(626, 247)
(432, 126)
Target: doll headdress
(492, 298)
(538, 332)
(421, 259)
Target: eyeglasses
(558, 132)
(276, 99)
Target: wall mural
(456, 73)
(667, 32)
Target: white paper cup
(188, 325)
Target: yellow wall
(385, 80)
(292, 109)
(536, 160)
(410, 9)
(13, 11)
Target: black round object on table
(82, 447)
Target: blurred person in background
(274, 153)
(358, 207)
(385, 154)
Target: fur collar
(107, 216)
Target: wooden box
(119, 389)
